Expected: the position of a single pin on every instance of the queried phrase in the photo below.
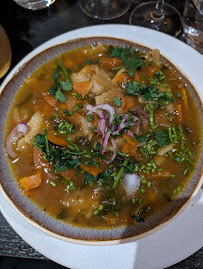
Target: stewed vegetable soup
(103, 136)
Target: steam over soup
(103, 136)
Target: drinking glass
(105, 9)
(34, 4)
(5, 52)
(157, 15)
(193, 24)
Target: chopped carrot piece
(184, 96)
(158, 175)
(179, 113)
(132, 142)
(70, 173)
(68, 63)
(136, 76)
(95, 121)
(48, 110)
(56, 138)
(129, 103)
(152, 70)
(131, 150)
(109, 63)
(50, 100)
(82, 88)
(38, 159)
(69, 105)
(31, 182)
(123, 79)
(91, 169)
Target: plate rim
(60, 40)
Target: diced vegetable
(129, 103)
(185, 98)
(56, 138)
(132, 150)
(82, 88)
(136, 76)
(162, 151)
(154, 56)
(93, 170)
(50, 100)
(123, 79)
(110, 63)
(31, 182)
(34, 125)
(48, 110)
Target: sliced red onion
(96, 111)
(108, 108)
(105, 107)
(102, 126)
(129, 133)
(125, 122)
(114, 152)
(105, 139)
(18, 131)
(89, 124)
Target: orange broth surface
(61, 163)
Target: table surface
(26, 30)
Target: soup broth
(103, 136)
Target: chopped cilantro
(59, 85)
(90, 62)
(90, 118)
(159, 75)
(162, 137)
(80, 105)
(68, 113)
(60, 96)
(117, 102)
(131, 58)
(65, 128)
(150, 93)
(90, 179)
(179, 95)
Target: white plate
(178, 240)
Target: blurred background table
(26, 30)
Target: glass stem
(158, 11)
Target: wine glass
(105, 9)
(5, 52)
(157, 15)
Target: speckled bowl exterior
(26, 208)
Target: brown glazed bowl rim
(29, 211)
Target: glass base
(170, 23)
(105, 9)
(34, 4)
(5, 52)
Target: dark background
(26, 30)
